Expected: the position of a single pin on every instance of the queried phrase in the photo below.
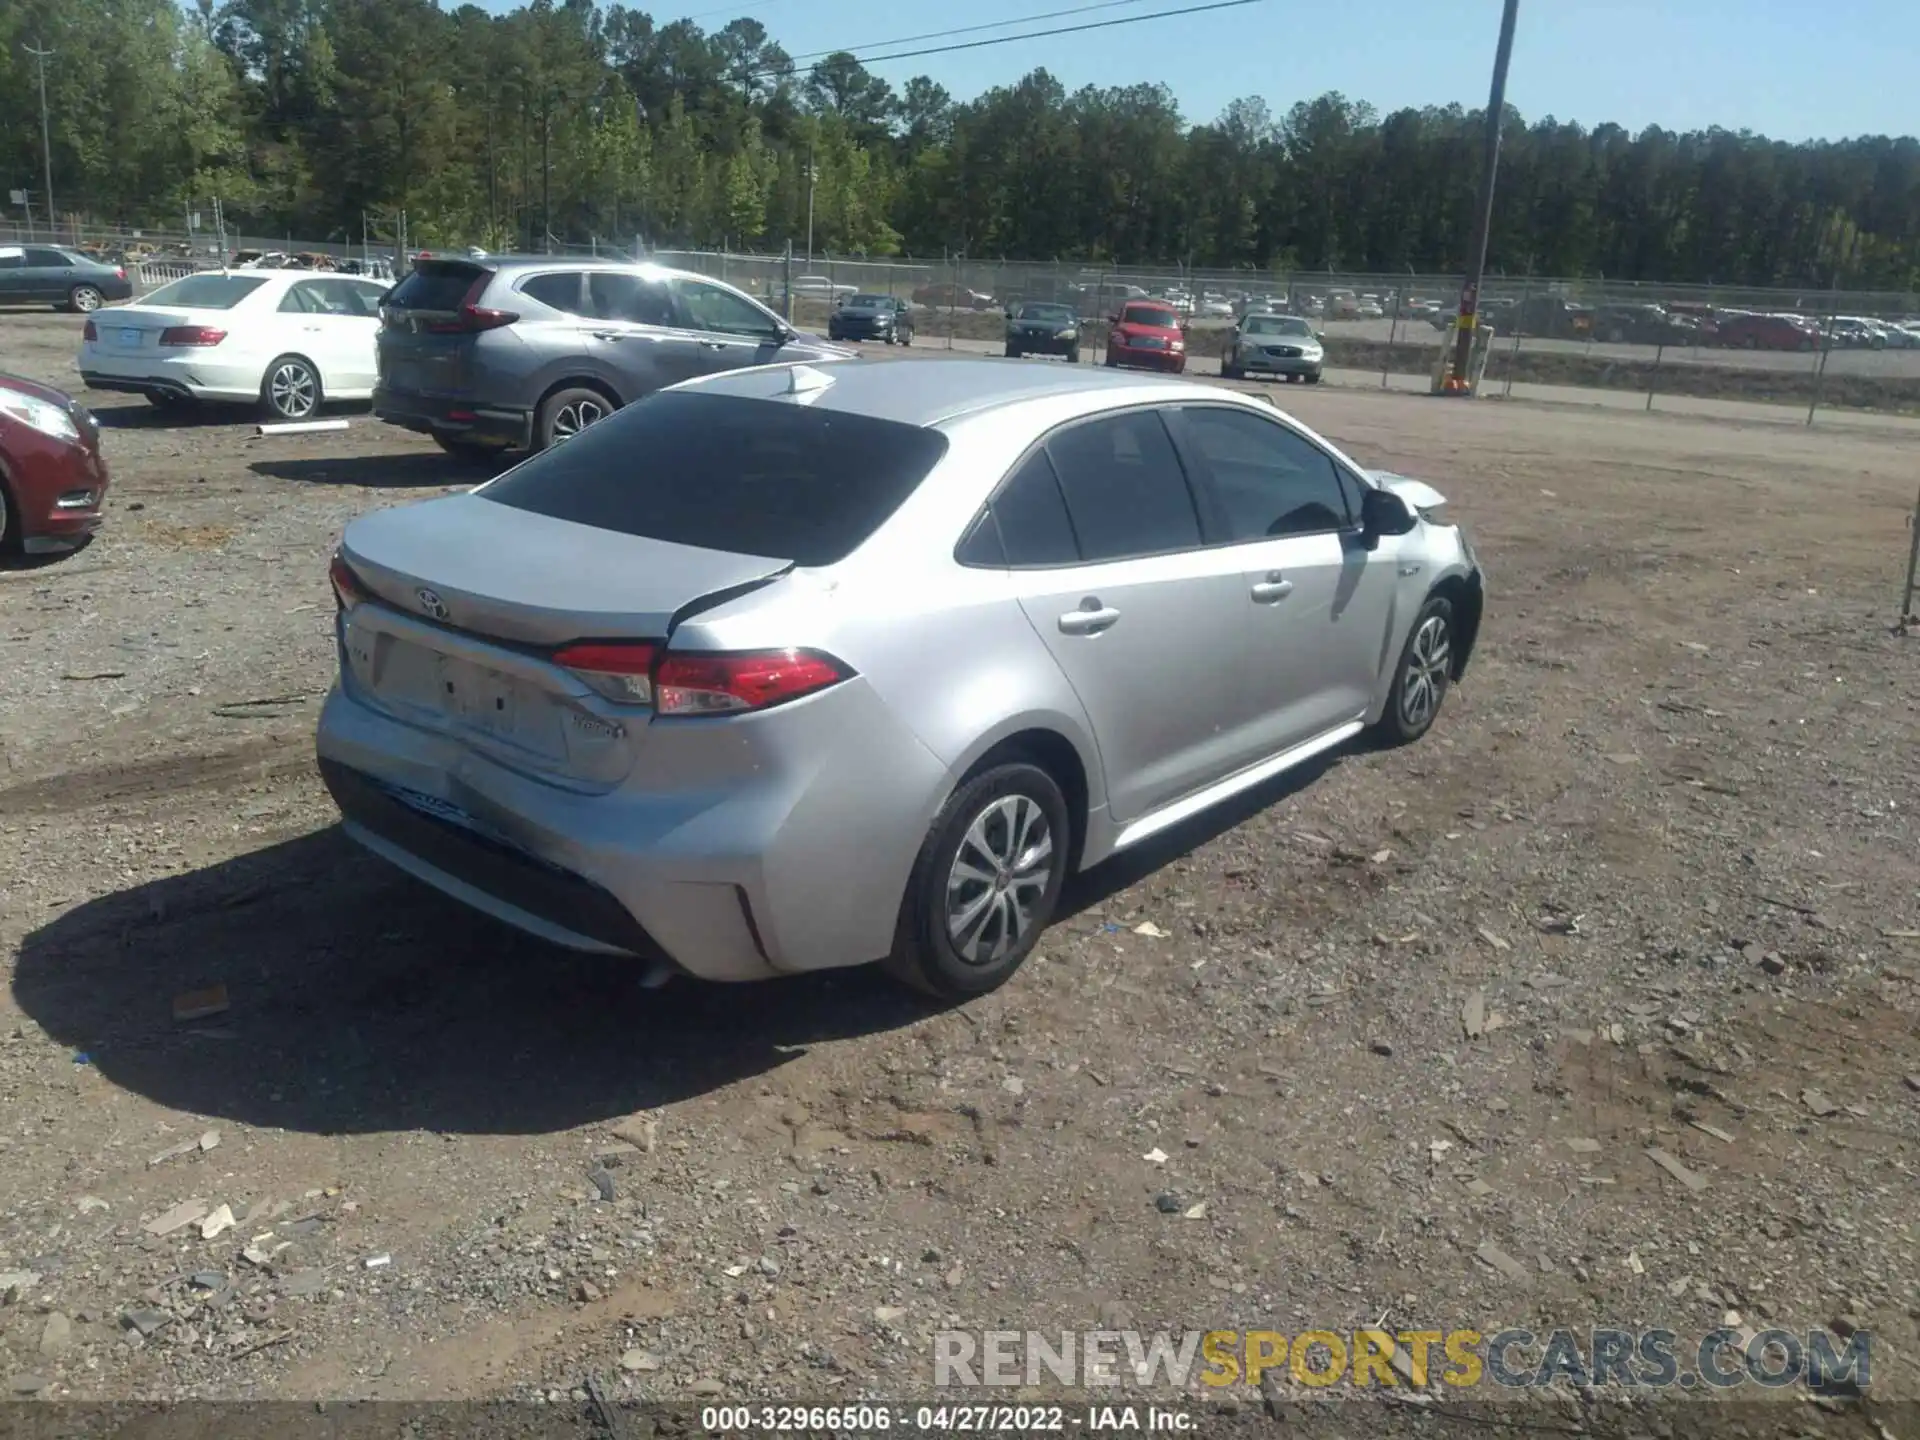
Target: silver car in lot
(496, 352)
(1273, 345)
(804, 667)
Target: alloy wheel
(86, 299)
(1427, 667)
(569, 420)
(998, 878)
(292, 390)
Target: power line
(1034, 34)
(732, 10)
(972, 29)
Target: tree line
(573, 121)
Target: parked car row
(56, 275)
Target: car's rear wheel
(85, 298)
(567, 412)
(985, 884)
(291, 389)
(1421, 679)
(463, 447)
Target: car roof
(501, 264)
(929, 392)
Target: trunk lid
(468, 600)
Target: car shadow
(360, 1000)
(357, 1000)
(392, 472)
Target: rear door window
(558, 291)
(723, 472)
(616, 295)
(1123, 486)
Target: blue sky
(1786, 68)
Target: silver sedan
(801, 667)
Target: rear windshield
(435, 285)
(204, 292)
(753, 477)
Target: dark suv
(517, 352)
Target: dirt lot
(1657, 853)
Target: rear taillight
(718, 684)
(472, 317)
(347, 589)
(754, 680)
(120, 272)
(89, 331)
(191, 335)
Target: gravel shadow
(361, 1001)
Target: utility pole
(813, 174)
(1483, 222)
(42, 55)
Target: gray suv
(517, 352)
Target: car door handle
(1271, 589)
(714, 344)
(1088, 622)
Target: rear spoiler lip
(716, 598)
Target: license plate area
(509, 717)
(127, 339)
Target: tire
(1073, 356)
(892, 339)
(85, 299)
(1421, 678)
(567, 412)
(1312, 377)
(1014, 352)
(1112, 362)
(1230, 371)
(290, 390)
(984, 819)
(474, 451)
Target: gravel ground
(1404, 1028)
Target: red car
(53, 480)
(1769, 332)
(1148, 336)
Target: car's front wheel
(1425, 670)
(985, 884)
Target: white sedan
(286, 340)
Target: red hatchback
(53, 480)
(1148, 336)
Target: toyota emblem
(430, 603)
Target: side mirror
(1384, 513)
